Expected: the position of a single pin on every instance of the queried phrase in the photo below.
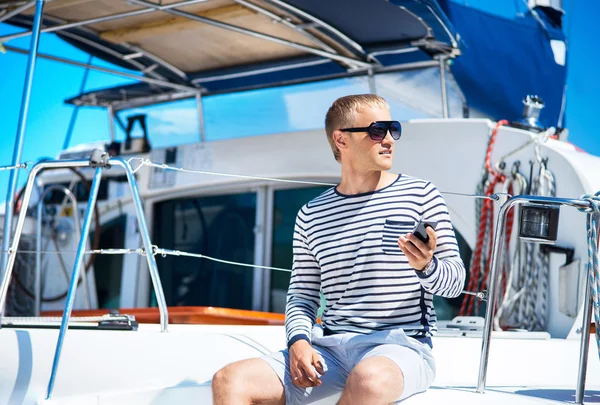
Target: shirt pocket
(392, 229)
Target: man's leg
(246, 382)
(375, 380)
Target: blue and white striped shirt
(346, 246)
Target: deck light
(539, 222)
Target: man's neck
(358, 183)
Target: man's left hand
(418, 253)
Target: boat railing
(99, 161)
(584, 205)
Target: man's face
(364, 153)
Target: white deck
(150, 367)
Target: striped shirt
(346, 246)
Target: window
(217, 226)
(286, 205)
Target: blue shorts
(341, 352)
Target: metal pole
(16, 11)
(38, 260)
(288, 24)
(87, 221)
(445, 107)
(106, 70)
(215, 23)
(585, 340)
(102, 19)
(347, 40)
(200, 116)
(21, 222)
(489, 311)
(18, 147)
(585, 344)
(111, 122)
(74, 113)
(493, 277)
(139, 210)
(371, 78)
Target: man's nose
(388, 139)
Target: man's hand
(418, 253)
(305, 363)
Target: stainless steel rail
(493, 287)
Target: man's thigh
(333, 381)
(250, 379)
(417, 371)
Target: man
(354, 243)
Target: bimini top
(217, 46)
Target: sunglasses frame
(368, 129)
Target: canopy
(216, 46)
(204, 47)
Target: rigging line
(148, 162)
(15, 167)
(164, 252)
(87, 252)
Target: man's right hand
(305, 363)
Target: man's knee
(229, 379)
(376, 378)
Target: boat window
(108, 268)
(217, 226)
(286, 205)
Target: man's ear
(339, 139)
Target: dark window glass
(218, 226)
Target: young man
(354, 243)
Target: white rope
(593, 267)
(148, 162)
(165, 252)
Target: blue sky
(53, 83)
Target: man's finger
(318, 363)
(418, 243)
(310, 373)
(432, 237)
(413, 250)
(300, 380)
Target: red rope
(485, 225)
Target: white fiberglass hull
(147, 367)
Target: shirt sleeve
(303, 297)
(448, 275)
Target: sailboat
(132, 272)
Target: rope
(481, 296)
(485, 223)
(593, 221)
(148, 162)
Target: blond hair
(342, 112)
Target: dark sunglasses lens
(395, 130)
(377, 131)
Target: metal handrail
(153, 269)
(493, 284)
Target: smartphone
(420, 230)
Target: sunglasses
(378, 130)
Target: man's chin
(385, 165)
